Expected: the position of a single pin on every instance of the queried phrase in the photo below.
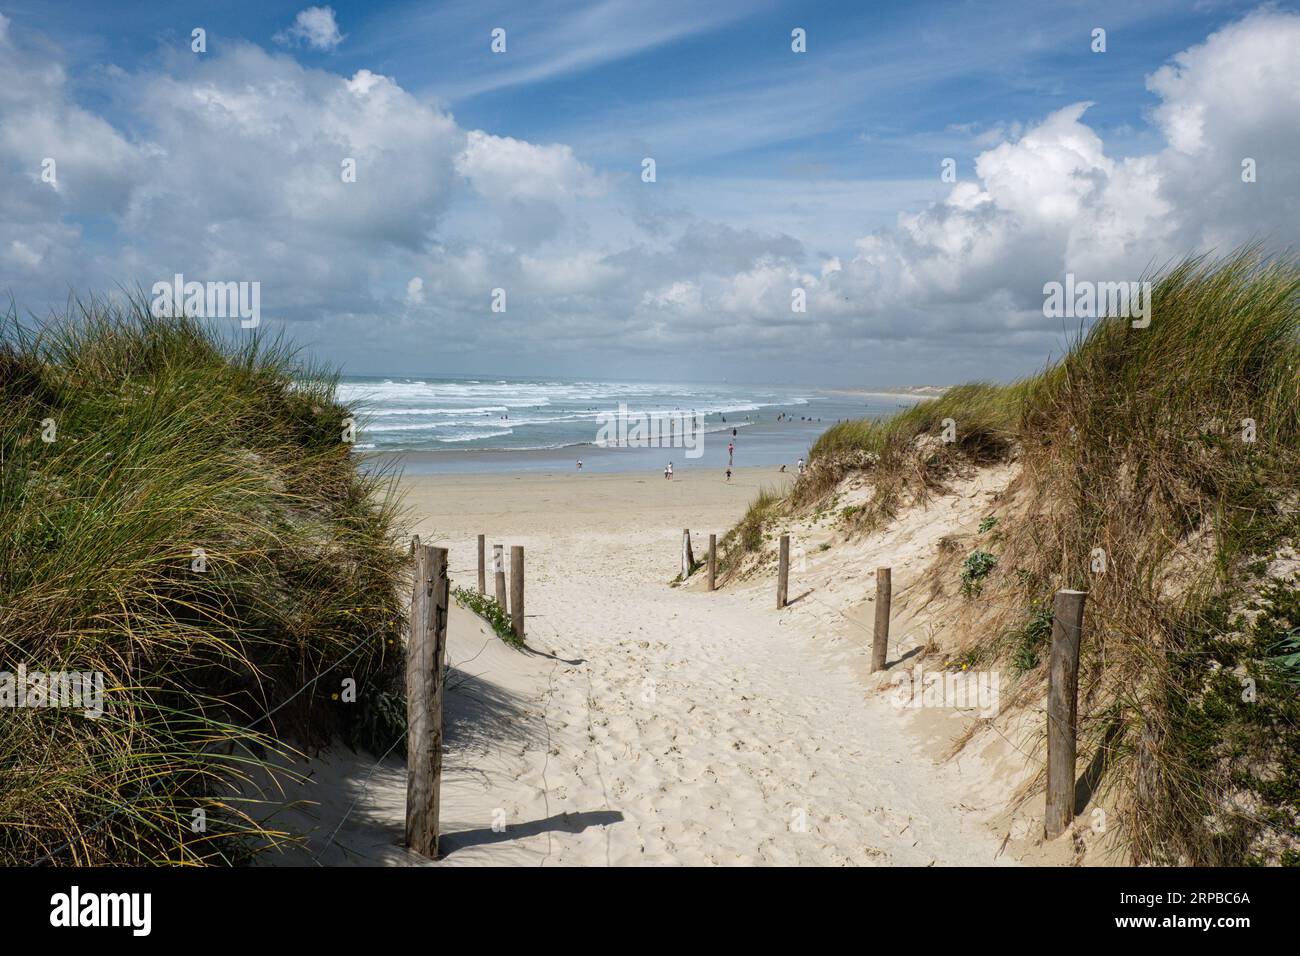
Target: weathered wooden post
(482, 565)
(688, 556)
(499, 568)
(517, 590)
(713, 560)
(880, 639)
(783, 572)
(1063, 710)
(426, 649)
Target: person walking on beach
(801, 466)
(579, 464)
(728, 472)
(668, 472)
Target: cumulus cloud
(506, 168)
(235, 169)
(57, 161)
(316, 27)
(528, 186)
(235, 166)
(285, 135)
(1053, 200)
(968, 270)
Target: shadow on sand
(449, 843)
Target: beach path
(660, 724)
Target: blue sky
(772, 169)
(888, 86)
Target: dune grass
(975, 422)
(747, 536)
(196, 531)
(1173, 452)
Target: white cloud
(1054, 201)
(23, 254)
(585, 273)
(231, 170)
(529, 187)
(502, 168)
(682, 297)
(314, 26)
(415, 291)
(92, 165)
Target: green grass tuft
(198, 533)
(492, 612)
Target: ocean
(434, 425)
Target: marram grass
(1172, 451)
(196, 531)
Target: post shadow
(556, 823)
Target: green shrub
(974, 570)
(492, 612)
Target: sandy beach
(649, 723)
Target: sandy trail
(651, 723)
(710, 727)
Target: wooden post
(713, 559)
(688, 556)
(482, 565)
(517, 590)
(425, 651)
(880, 639)
(499, 568)
(783, 572)
(1062, 710)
